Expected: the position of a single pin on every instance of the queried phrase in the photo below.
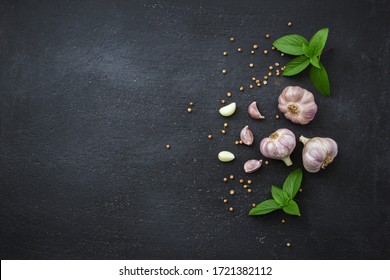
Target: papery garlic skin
(279, 145)
(318, 153)
(297, 104)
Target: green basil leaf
(307, 51)
(280, 196)
(320, 79)
(296, 66)
(265, 207)
(290, 44)
(293, 182)
(292, 208)
(315, 62)
(318, 41)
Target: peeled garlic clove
(246, 136)
(318, 153)
(226, 156)
(228, 110)
(297, 104)
(279, 145)
(252, 165)
(254, 112)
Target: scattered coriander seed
(253, 205)
(241, 88)
(281, 54)
(231, 177)
(265, 77)
(241, 181)
(231, 192)
(277, 116)
(267, 36)
(271, 68)
(225, 179)
(289, 24)
(225, 124)
(265, 52)
(189, 110)
(255, 47)
(236, 142)
(167, 146)
(276, 64)
(225, 200)
(258, 84)
(249, 182)
(239, 50)
(229, 94)
(273, 48)
(191, 103)
(249, 190)
(278, 73)
(231, 209)
(265, 82)
(288, 244)
(251, 65)
(252, 52)
(210, 136)
(283, 221)
(222, 101)
(266, 162)
(253, 79)
(269, 73)
(240, 142)
(245, 186)
(225, 53)
(224, 71)
(223, 131)
(257, 81)
(250, 86)
(231, 39)
(300, 190)
(282, 68)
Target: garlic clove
(254, 112)
(252, 165)
(318, 153)
(228, 110)
(226, 156)
(246, 136)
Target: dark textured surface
(91, 91)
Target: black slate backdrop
(91, 91)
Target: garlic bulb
(279, 145)
(297, 104)
(318, 153)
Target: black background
(91, 91)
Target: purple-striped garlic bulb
(318, 153)
(279, 145)
(297, 104)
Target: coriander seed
(225, 53)
(300, 190)
(223, 131)
(231, 209)
(241, 181)
(265, 82)
(283, 221)
(224, 71)
(276, 64)
(252, 52)
(265, 52)
(236, 142)
(253, 205)
(277, 116)
(288, 244)
(249, 182)
(273, 48)
(189, 110)
(231, 192)
(225, 125)
(289, 24)
(265, 77)
(269, 73)
(191, 103)
(249, 190)
(225, 179)
(251, 65)
(210, 136)
(271, 68)
(225, 200)
(231, 39)
(281, 54)
(255, 47)
(241, 88)
(258, 84)
(266, 162)
(222, 101)
(267, 36)
(229, 94)
(239, 50)
(167, 146)
(240, 142)
(231, 177)
(251, 86)
(253, 79)
(245, 186)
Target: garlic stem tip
(303, 139)
(287, 161)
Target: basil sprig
(308, 52)
(282, 198)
